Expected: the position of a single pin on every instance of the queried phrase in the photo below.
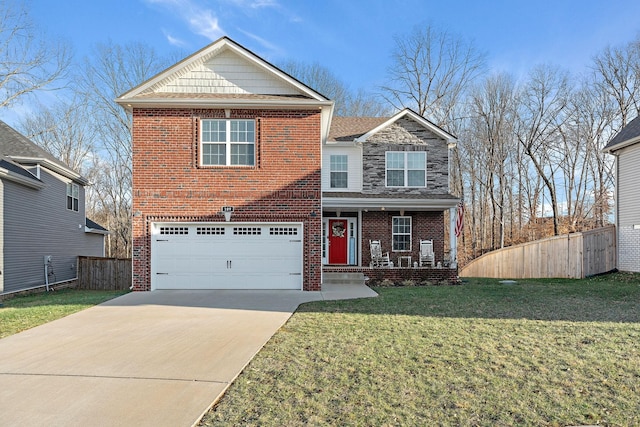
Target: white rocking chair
(379, 259)
(426, 253)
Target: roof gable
(407, 113)
(22, 150)
(628, 135)
(222, 68)
(14, 172)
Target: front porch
(398, 275)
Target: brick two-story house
(230, 160)
(224, 130)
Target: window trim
(331, 171)
(405, 169)
(228, 143)
(393, 233)
(73, 197)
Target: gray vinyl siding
(628, 189)
(628, 209)
(1, 236)
(37, 223)
(405, 135)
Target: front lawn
(541, 352)
(23, 312)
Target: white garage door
(226, 256)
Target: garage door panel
(225, 256)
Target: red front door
(337, 241)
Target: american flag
(459, 218)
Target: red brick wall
(435, 276)
(169, 184)
(424, 225)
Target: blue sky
(353, 38)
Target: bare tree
(64, 129)
(111, 71)
(28, 61)
(618, 72)
(493, 110)
(543, 101)
(347, 102)
(431, 70)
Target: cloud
(266, 44)
(174, 41)
(201, 20)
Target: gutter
(51, 166)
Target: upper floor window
(227, 142)
(73, 196)
(339, 172)
(406, 168)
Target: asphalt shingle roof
(13, 143)
(630, 131)
(94, 225)
(350, 128)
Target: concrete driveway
(157, 358)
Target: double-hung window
(339, 174)
(228, 142)
(406, 168)
(401, 233)
(73, 196)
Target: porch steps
(343, 278)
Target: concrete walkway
(157, 358)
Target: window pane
(214, 154)
(401, 242)
(416, 178)
(416, 160)
(339, 163)
(242, 131)
(338, 180)
(75, 190)
(395, 160)
(69, 202)
(214, 131)
(242, 154)
(395, 178)
(75, 205)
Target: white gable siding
(228, 73)
(354, 173)
(628, 189)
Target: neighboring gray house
(625, 146)
(43, 228)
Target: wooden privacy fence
(575, 255)
(104, 273)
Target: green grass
(538, 353)
(24, 312)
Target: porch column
(453, 240)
